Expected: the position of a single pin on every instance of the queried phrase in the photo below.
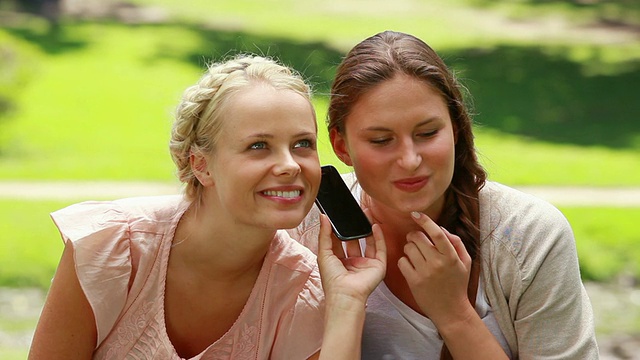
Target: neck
(210, 242)
(394, 222)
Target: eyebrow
(422, 123)
(271, 136)
(259, 136)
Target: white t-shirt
(392, 330)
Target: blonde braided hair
(200, 113)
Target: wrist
(343, 303)
(460, 321)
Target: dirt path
(34, 190)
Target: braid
(184, 138)
(461, 212)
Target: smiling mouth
(283, 194)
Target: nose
(286, 165)
(409, 157)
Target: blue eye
(303, 144)
(258, 146)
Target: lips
(282, 194)
(411, 184)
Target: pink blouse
(121, 253)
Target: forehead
(397, 98)
(263, 107)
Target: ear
(340, 146)
(200, 169)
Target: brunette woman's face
(399, 139)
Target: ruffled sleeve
(99, 233)
(300, 331)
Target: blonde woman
(208, 274)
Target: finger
(418, 260)
(381, 244)
(353, 248)
(421, 240)
(407, 269)
(371, 242)
(376, 248)
(435, 233)
(368, 214)
(327, 242)
(458, 245)
(370, 247)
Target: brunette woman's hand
(437, 267)
(350, 278)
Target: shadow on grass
(527, 91)
(53, 40)
(519, 90)
(316, 61)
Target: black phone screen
(336, 201)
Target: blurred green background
(87, 91)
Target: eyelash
(310, 143)
(380, 141)
(262, 145)
(384, 141)
(254, 146)
(428, 134)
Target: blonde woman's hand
(350, 278)
(437, 267)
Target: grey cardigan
(530, 271)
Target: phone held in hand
(336, 201)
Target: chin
(288, 222)
(409, 207)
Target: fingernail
(415, 214)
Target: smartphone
(336, 201)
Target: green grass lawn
(607, 240)
(31, 245)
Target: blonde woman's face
(265, 166)
(399, 139)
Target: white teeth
(284, 194)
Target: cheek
(366, 160)
(372, 168)
(313, 173)
(442, 155)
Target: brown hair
(381, 57)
